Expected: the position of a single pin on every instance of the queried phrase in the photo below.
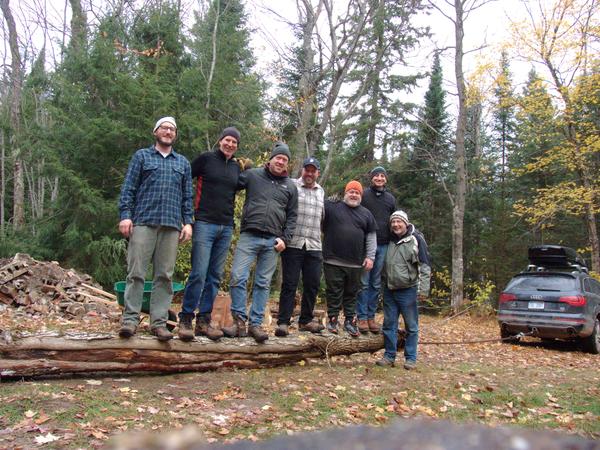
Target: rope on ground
(459, 313)
(476, 341)
(331, 341)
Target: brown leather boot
(205, 328)
(313, 327)
(185, 332)
(162, 334)
(258, 333)
(373, 326)
(363, 326)
(238, 329)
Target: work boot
(363, 326)
(258, 333)
(384, 362)
(332, 325)
(350, 326)
(410, 365)
(373, 326)
(313, 327)
(205, 328)
(185, 332)
(282, 330)
(162, 334)
(127, 330)
(238, 329)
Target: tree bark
(458, 211)
(15, 116)
(54, 354)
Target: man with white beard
(349, 247)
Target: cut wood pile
(39, 288)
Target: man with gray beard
(349, 247)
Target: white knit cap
(399, 214)
(162, 120)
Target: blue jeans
(251, 247)
(368, 297)
(210, 243)
(396, 302)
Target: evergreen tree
(427, 171)
(220, 88)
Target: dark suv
(554, 298)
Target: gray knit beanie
(230, 131)
(280, 149)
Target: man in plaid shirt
(155, 211)
(303, 254)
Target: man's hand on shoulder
(186, 233)
(126, 227)
(244, 163)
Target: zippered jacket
(407, 262)
(382, 204)
(216, 185)
(271, 204)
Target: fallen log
(79, 353)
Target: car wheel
(505, 335)
(592, 342)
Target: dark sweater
(216, 184)
(381, 204)
(345, 230)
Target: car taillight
(573, 300)
(504, 297)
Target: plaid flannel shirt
(157, 190)
(310, 214)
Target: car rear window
(542, 283)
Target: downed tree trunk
(54, 354)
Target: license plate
(536, 305)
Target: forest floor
(530, 384)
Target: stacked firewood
(45, 288)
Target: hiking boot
(127, 330)
(384, 362)
(410, 365)
(162, 334)
(258, 333)
(185, 331)
(350, 326)
(204, 328)
(373, 326)
(363, 326)
(313, 327)
(238, 329)
(332, 325)
(282, 330)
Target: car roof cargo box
(554, 256)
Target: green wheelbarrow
(119, 289)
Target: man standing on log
(155, 210)
(268, 222)
(407, 276)
(381, 204)
(303, 254)
(216, 174)
(348, 248)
